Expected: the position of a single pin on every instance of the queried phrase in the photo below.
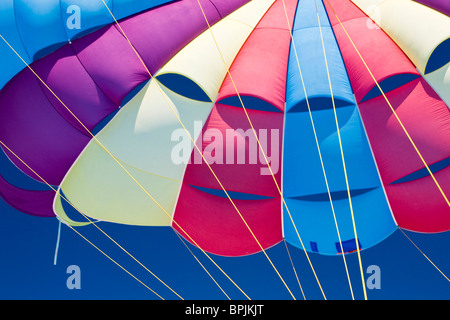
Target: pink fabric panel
(260, 68)
(244, 177)
(216, 227)
(266, 83)
(419, 205)
(425, 117)
(275, 17)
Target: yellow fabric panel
(367, 5)
(201, 61)
(440, 81)
(141, 133)
(416, 29)
(98, 187)
(139, 136)
(61, 214)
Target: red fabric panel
(260, 68)
(417, 205)
(425, 117)
(216, 227)
(374, 46)
(275, 17)
(241, 177)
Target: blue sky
(28, 248)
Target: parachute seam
(59, 112)
(18, 31)
(90, 76)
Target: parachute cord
(209, 167)
(195, 257)
(115, 262)
(293, 268)
(392, 108)
(87, 218)
(429, 260)
(55, 258)
(345, 173)
(320, 157)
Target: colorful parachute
(108, 112)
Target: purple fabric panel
(67, 78)
(160, 33)
(32, 128)
(439, 5)
(225, 7)
(37, 203)
(111, 62)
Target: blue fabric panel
(307, 41)
(93, 14)
(347, 246)
(314, 221)
(311, 58)
(125, 8)
(301, 156)
(10, 63)
(40, 25)
(306, 15)
(304, 185)
(35, 28)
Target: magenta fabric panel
(225, 7)
(32, 128)
(416, 204)
(442, 6)
(425, 117)
(37, 203)
(374, 55)
(250, 175)
(63, 73)
(160, 33)
(267, 46)
(111, 62)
